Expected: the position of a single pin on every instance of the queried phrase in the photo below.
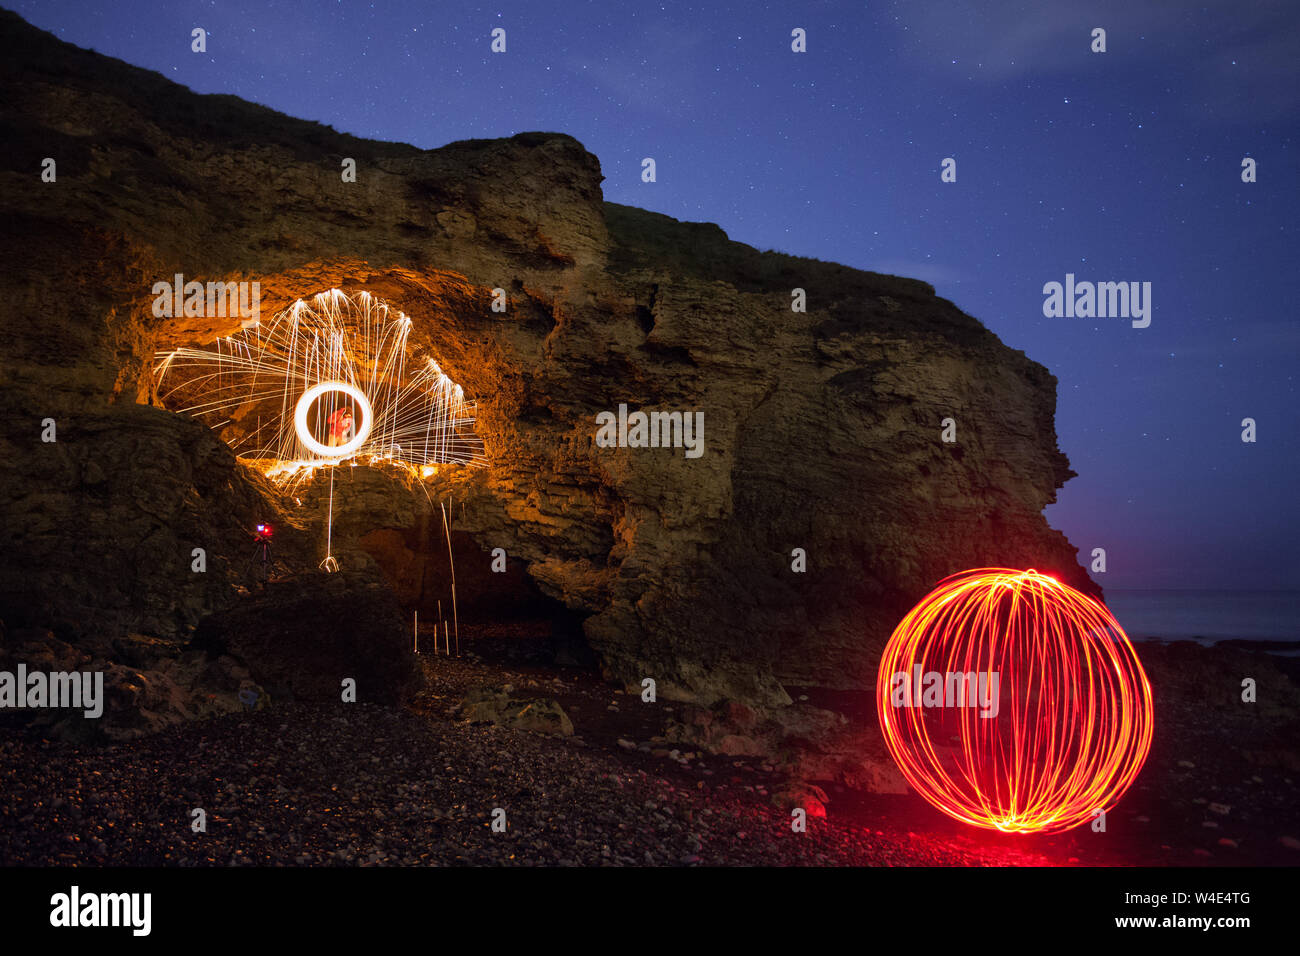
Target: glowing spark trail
(340, 370)
(1073, 722)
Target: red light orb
(1012, 702)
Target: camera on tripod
(262, 550)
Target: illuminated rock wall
(821, 428)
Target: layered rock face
(821, 428)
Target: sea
(1208, 616)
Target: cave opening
(503, 616)
(348, 378)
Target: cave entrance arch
(264, 388)
(504, 616)
(279, 392)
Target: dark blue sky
(1116, 166)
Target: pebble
(434, 783)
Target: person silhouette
(340, 425)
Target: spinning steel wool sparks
(331, 378)
(1013, 702)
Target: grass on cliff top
(651, 240)
(32, 55)
(656, 245)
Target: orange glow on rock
(1013, 702)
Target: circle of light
(309, 440)
(1074, 721)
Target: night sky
(1122, 166)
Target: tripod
(262, 549)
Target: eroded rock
(822, 428)
(808, 743)
(148, 685)
(497, 705)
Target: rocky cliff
(822, 428)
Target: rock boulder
(301, 637)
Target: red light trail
(1013, 702)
